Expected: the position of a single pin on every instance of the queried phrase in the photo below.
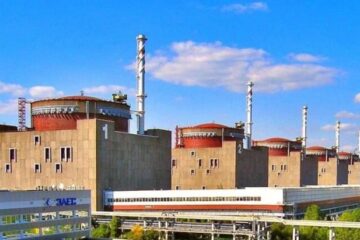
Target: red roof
(277, 140)
(74, 98)
(210, 125)
(317, 148)
(344, 154)
(82, 98)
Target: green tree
(103, 231)
(280, 232)
(345, 233)
(114, 227)
(309, 233)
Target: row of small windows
(213, 163)
(282, 167)
(187, 199)
(65, 154)
(37, 168)
(193, 172)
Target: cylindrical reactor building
(62, 113)
(207, 135)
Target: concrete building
(83, 142)
(288, 166)
(353, 166)
(211, 156)
(45, 214)
(332, 169)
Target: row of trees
(282, 232)
(111, 230)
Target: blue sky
(200, 54)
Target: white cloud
(346, 114)
(215, 65)
(13, 89)
(44, 92)
(348, 148)
(357, 98)
(346, 127)
(109, 89)
(305, 57)
(9, 107)
(242, 8)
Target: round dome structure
(321, 153)
(279, 146)
(62, 113)
(206, 135)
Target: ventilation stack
(21, 114)
(141, 39)
(337, 136)
(304, 128)
(248, 130)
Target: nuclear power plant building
(78, 142)
(212, 156)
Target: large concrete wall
(354, 173)
(292, 171)
(234, 170)
(132, 162)
(309, 171)
(332, 172)
(210, 177)
(122, 162)
(252, 167)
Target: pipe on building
(141, 39)
(337, 136)
(249, 122)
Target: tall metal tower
(21, 114)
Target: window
(65, 154)
(37, 168)
(208, 171)
(12, 154)
(177, 188)
(285, 167)
(216, 162)
(37, 140)
(273, 167)
(193, 153)
(199, 162)
(173, 163)
(8, 168)
(58, 168)
(47, 154)
(211, 162)
(282, 167)
(203, 187)
(192, 172)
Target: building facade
(96, 153)
(288, 166)
(332, 169)
(211, 156)
(45, 214)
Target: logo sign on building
(60, 202)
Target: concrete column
(295, 235)
(74, 216)
(144, 224)
(258, 232)
(212, 236)
(268, 235)
(166, 235)
(57, 226)
(331, 234)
